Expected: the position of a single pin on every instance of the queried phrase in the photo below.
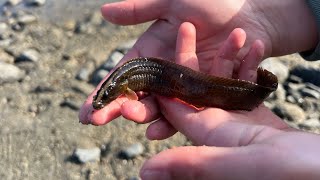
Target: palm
(213, 25)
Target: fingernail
(155, 175)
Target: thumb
(206, 162)
(134, 11)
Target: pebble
(13, 2)
(113, 60)
(310, 105)
(81, 27)
(98, 76)
(85, 72)
(3, 27)
(27, 19)
(5, 57)
(275, 66)
(87, 155)
(306, 92)
(35, 2)
(18, 27)
(310, 124)
(9, 73)
(30, 55)
(132, 151)
(289, 111)
(295, 79)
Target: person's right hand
(278, 24)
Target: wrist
(291, 26)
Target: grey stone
(87, 155)
(85, 72)
(3, 27)
(113, 60)
(27, 19)
(9, 73)
(310, 124)
(132, 151)
(18, 27)
(276, 67)
(313, 87)
(295, 79)
(98, 76)
(28, 55)
(35, 2)
(5, 57)
(306, 92)
(13, 2)
(310, 105)
(290, 112)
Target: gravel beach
(53, 53)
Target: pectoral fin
(130, 94)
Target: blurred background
(52, 55)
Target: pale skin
(235, 144)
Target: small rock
(306, 92)
(113, 60)
(35, 2)
(85, 72)
(81, 27)
(13, 2)
(308, 74)
(27, 19)
(5, 57)
(126, 46)
(275, 66)
(132, 151)
(3, 27)
(313, 87)
(310, 124)
(310, 105)
(87, 155)
(18, 27)
(295, 79)
(9, 73)
(28, 55)
(289, 111)
(98, 76)
(70, 25)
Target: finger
(160, 129)
(249, 65)
(134, 11)
(217, 127)
(143, 111)
(186, 46)
(224, 62)
(216, 163)
(152, 43)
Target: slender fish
(172, 80)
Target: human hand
(232, 145)
(214, 20)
